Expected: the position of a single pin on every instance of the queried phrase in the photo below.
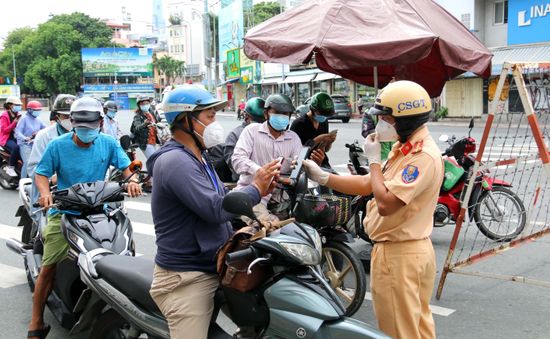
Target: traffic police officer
(400, 217)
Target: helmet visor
(380, 110)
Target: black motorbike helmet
(280, 103)
(62, 105)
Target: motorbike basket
(324, 210)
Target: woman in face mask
(26, 130)
(143, 127)
(8, 122)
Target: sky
(34, 12)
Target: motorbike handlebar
(246, 254)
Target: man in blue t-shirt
(76, 157)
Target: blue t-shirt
(74, 164)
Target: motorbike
(328, 213)
(7, 181)
(497, 211)
(94, 218)
(289, 253)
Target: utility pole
(14, 71)
(207, 36)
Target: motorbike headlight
(306, 254)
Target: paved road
(471, 307)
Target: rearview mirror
(125, 142)
(135, 165)
(444, 138)
(471, 123)
(239, 203)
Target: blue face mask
(86, 135)
(16, 108)
(144, 108)
(111, 114)
(35, 113)
(279, 122)
(320, 118)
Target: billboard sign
(230, 28)
(528, 21)
(233, 63)
(98, 62)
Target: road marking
(141, 228)
(442, 311)
(7, 232)
(11, 276)
(136, 205)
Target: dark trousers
(13, 147)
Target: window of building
(321, 86)
(501, 12)
(303, 92)
(170, 32)
(341, 86)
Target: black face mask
(405, 126)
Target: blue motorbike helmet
(188, 99)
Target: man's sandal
(41, 334)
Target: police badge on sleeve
(410, 173)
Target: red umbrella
(407, 39)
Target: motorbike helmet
(141, 98)
(86, 112)
(12, 99)
(110, 105)
(34, 105)
(255, 108)
(407, 102)
(280, 103)
(188, 99)
(322, 104)
(324, 210)
(62, 104)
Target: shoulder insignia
(418, 146)
(410, 173)
(406, 148)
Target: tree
(170, 67)
(265, 10)
(16, 36)
(48, 58)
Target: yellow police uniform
(403, 259)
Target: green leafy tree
(170, 67)
(17, 36)
(48, 58)
(265, 10)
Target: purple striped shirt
(256, 147)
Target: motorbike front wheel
(110, 325)
(500, 214)
(345, 274)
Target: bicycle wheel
(345, 274)
(499, 214)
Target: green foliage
(442, 113)
(48, 58)
(265, 10)
(16, 36)
(169, 66)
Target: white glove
(372, 149)
(314, 172)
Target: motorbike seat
(130, 275)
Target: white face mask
(66, 124)
(213, 134)
(386, 131)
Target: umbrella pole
(375, 75)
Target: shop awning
(326, 76)
(302, 78)
(523, 54)
(230, 81)
(272, 81)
